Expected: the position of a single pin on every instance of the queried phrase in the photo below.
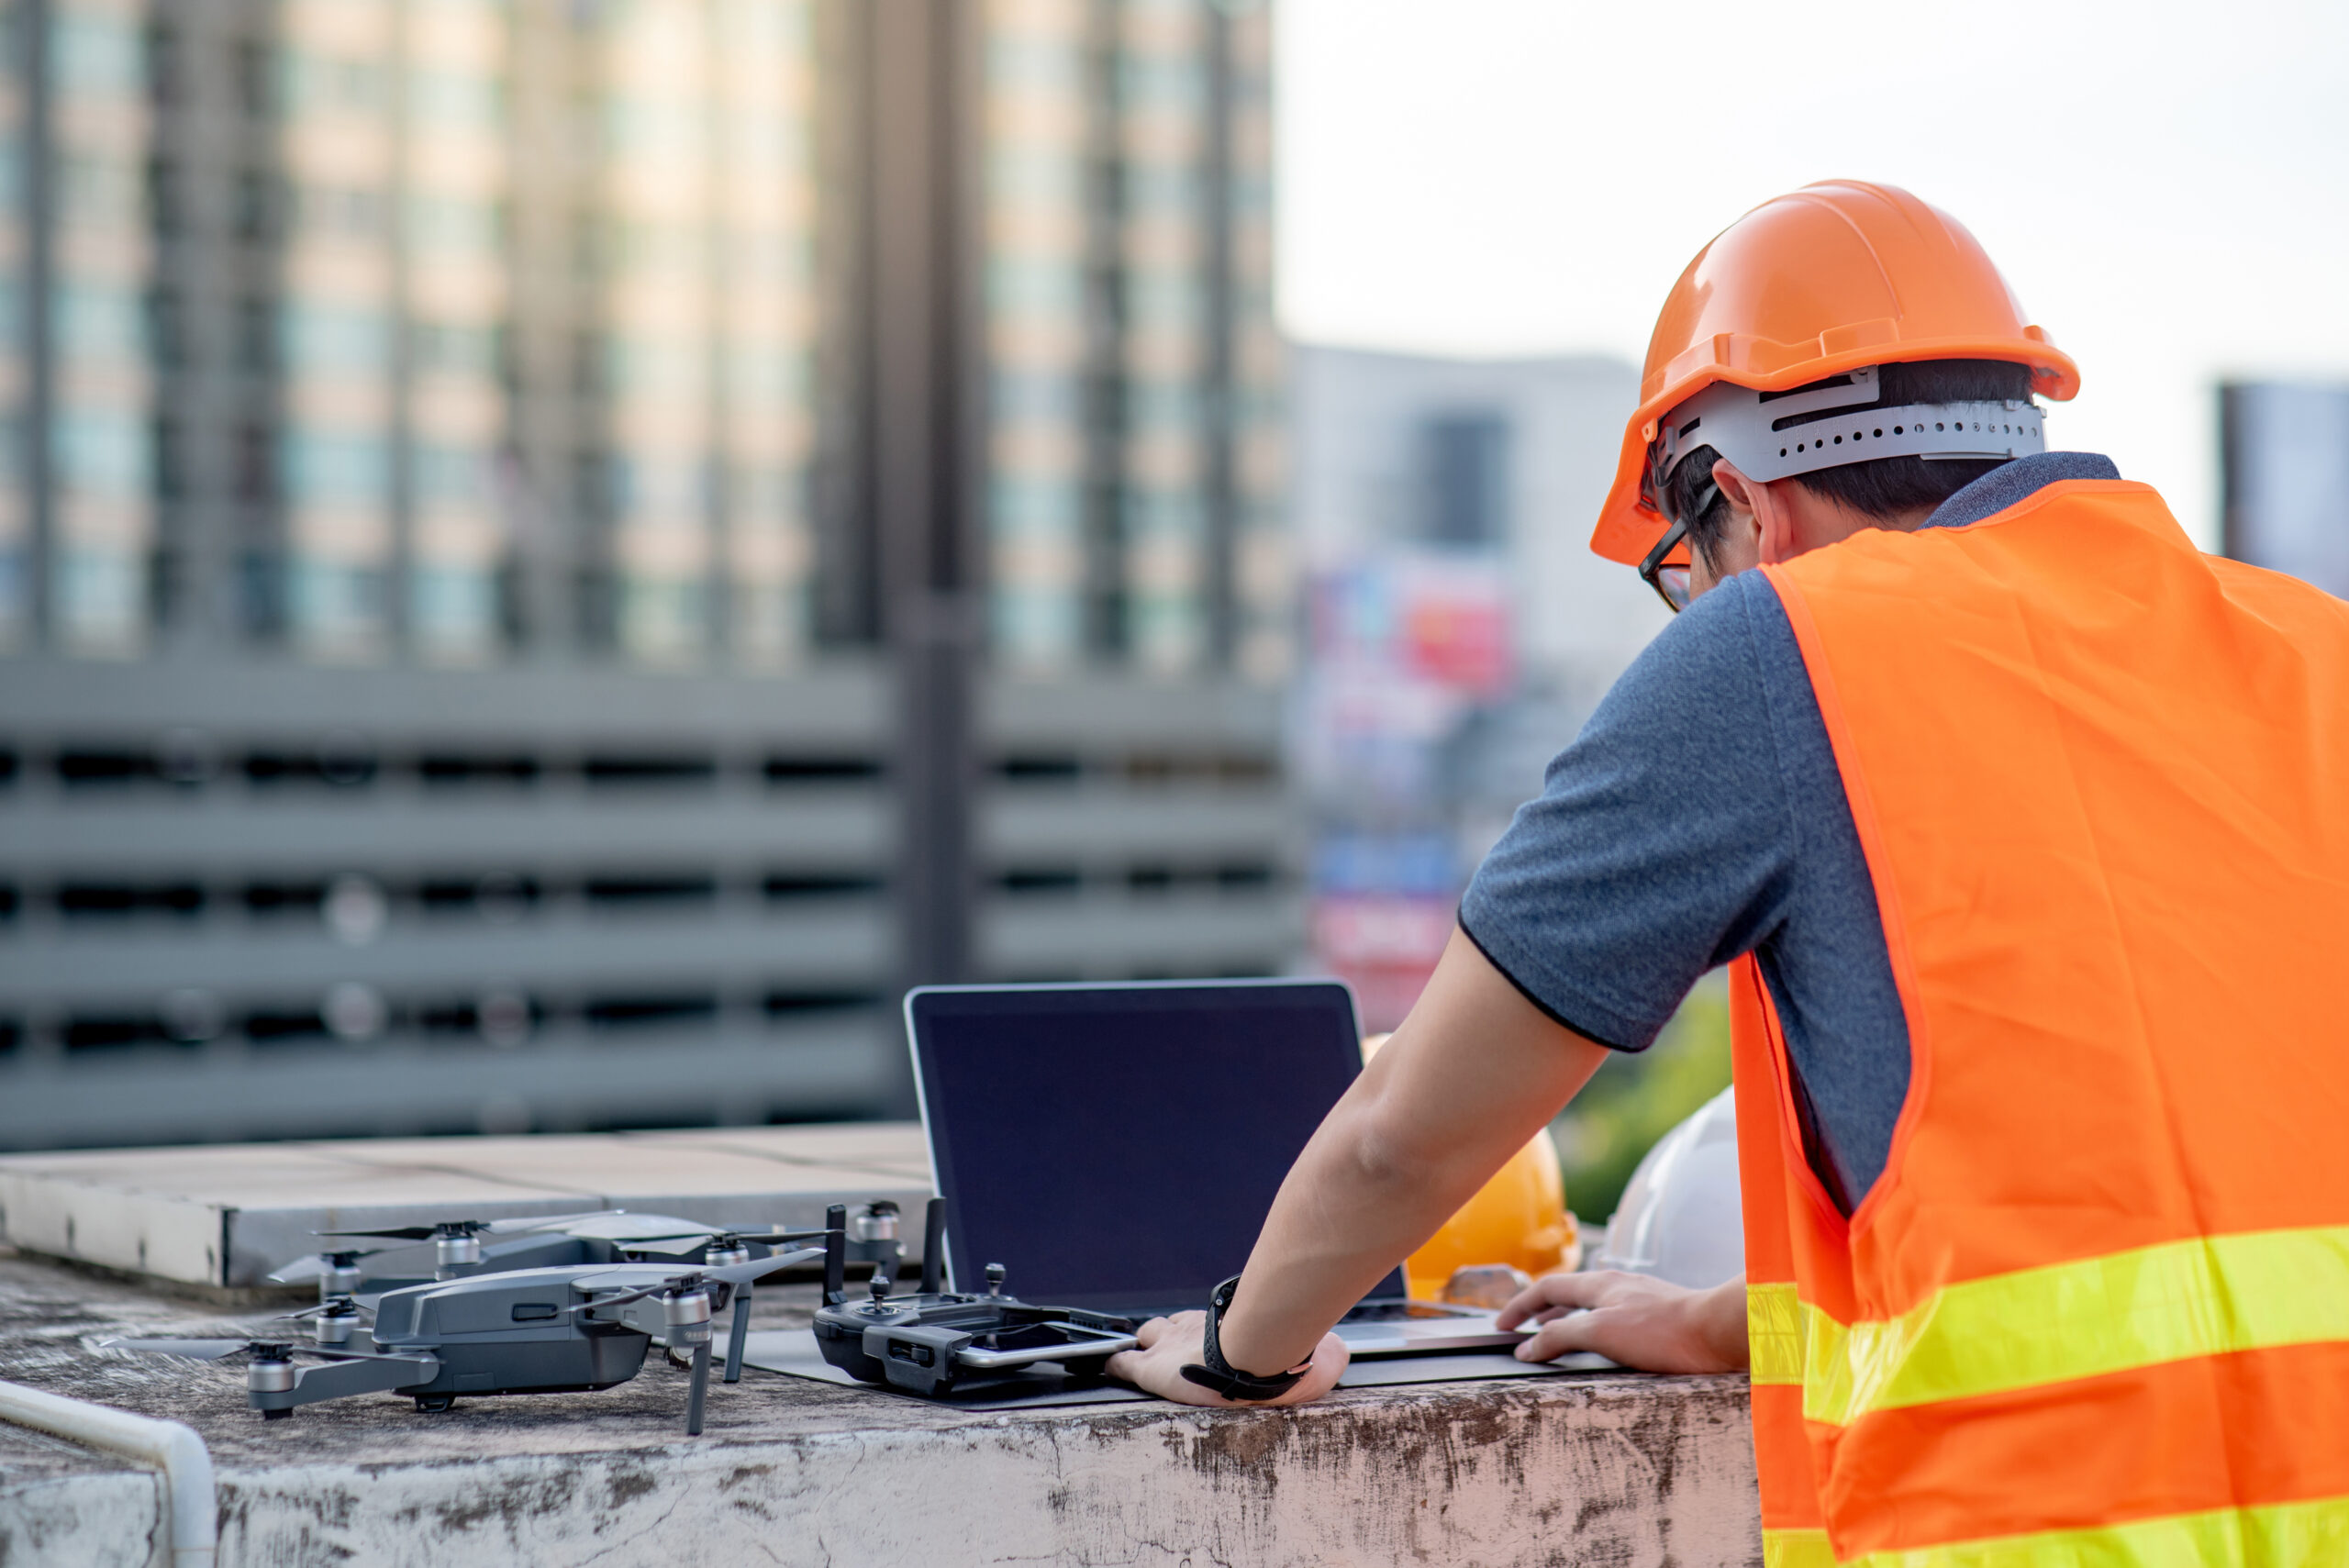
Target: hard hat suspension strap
(1776, 435)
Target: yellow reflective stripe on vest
(1796, 1549)
(2182, 1300)
(1775, 1317)
(2285, 1535)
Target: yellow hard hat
(1518, 1219)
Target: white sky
(2166, 186)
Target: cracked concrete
(1612, 1469)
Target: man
(2023, 827)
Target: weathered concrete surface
(225, 1214)
(1611, 1469)
(62, 1504)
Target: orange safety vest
(2096, 1310)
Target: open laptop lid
(1116, 1147)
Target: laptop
(1116, 1147)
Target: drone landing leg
(700, 1388)
(740, 1331)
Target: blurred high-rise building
(527, 601)
(2283, 449)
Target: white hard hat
(1680, 1219)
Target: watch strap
(1219, 1375)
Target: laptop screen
(1116, 1147)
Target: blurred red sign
(1384, 946)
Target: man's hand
(1641, 1322)
(1169, 1344)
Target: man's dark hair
(1886, 487)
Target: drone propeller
(689, 1279)
(265, 1350)
(455, 1228)
(724, 1241)
(344, 1308)
(319, 1264)
(194, 1349)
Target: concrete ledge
(1613, 1469)
(1617, 1470)
(91, 1521)
(224, 1215)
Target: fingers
(1559, 1291)
(1157, 1367)
(1563, 1336)
(1330, 1358)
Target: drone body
(554, 1331)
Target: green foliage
(1634, 1100)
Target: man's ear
(1773, 522)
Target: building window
(335, 338)
(257, 78)
(256, 202)
(162, 63)
(164, 212)
(451, 476)
(170, 461)
(333, 467)
(255, 463)
(454, 225)
(98, 322)
(97, 55)
(256, 336)
(448, 348)
(101, 454)
(1465, 491)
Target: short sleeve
(1661, 845)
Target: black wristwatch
(1221, 1376)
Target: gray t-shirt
(1698, 817)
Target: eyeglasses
(1670, 582)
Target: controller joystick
(996, 1275)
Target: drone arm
(643, 1314)
(340, 1379)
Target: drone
(605, 1236)
(532, 1331)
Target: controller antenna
(933, 1249)
(836, 1254)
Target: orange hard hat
(1832, 278)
